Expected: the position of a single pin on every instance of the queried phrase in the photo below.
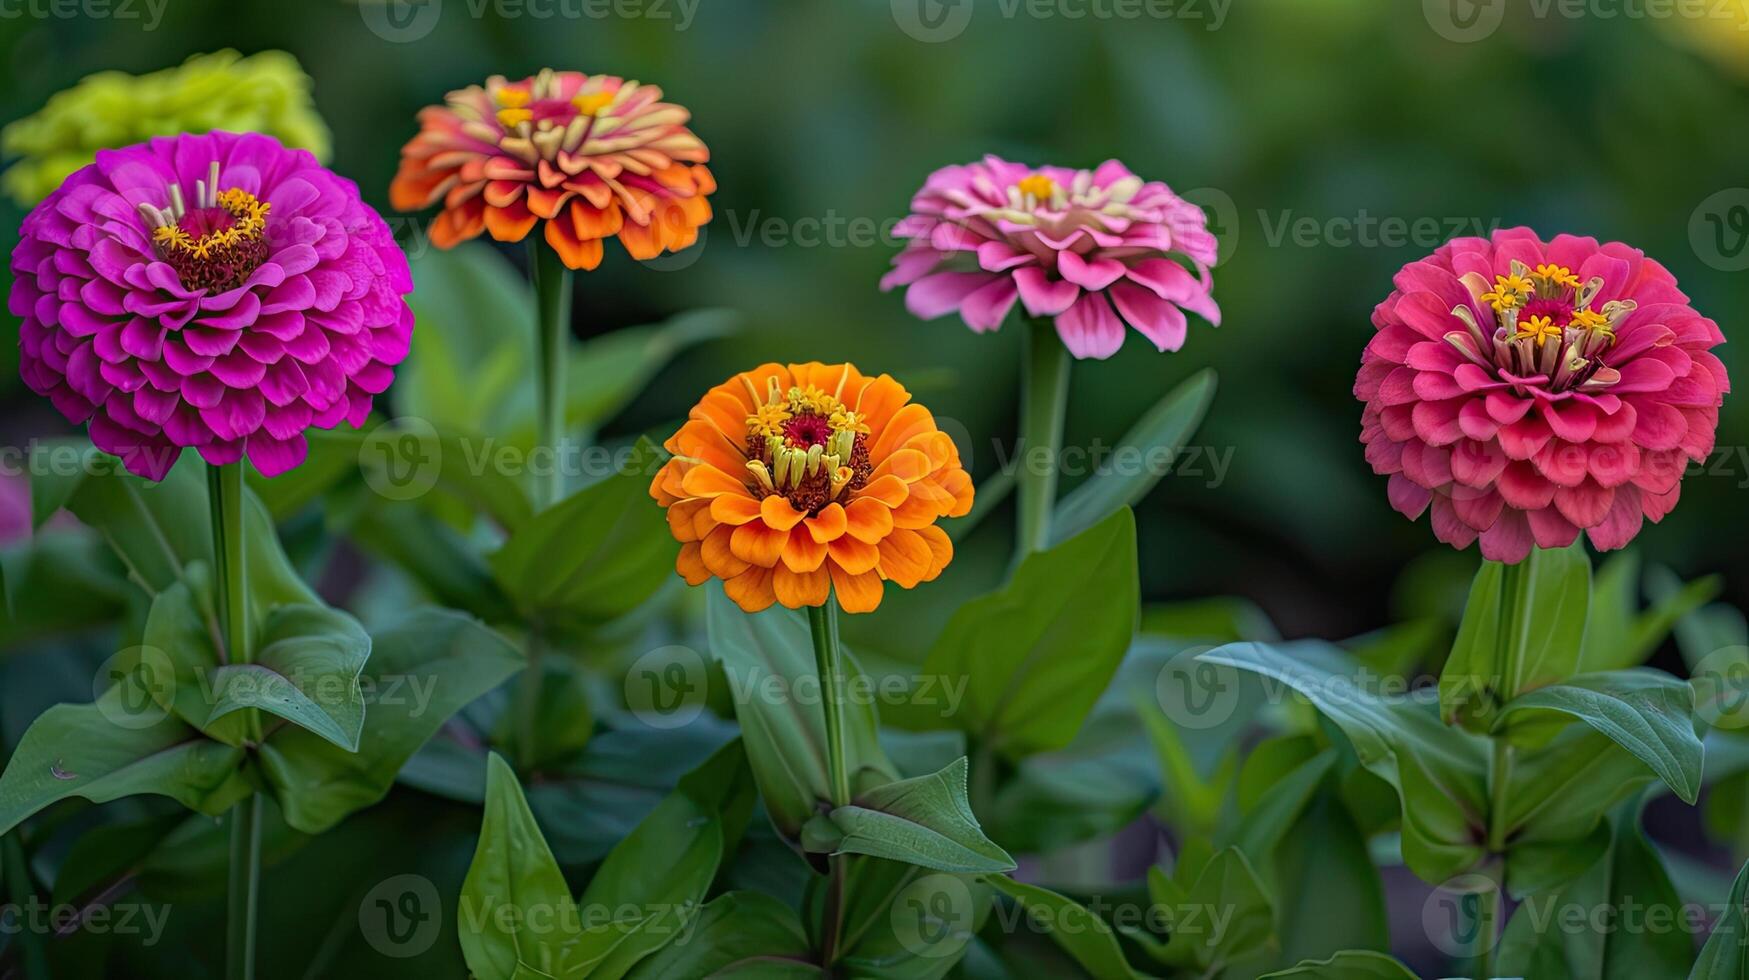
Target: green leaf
(1647, 712)
(1222, 915)
(58, 582)
(926, 821)
(1562, 790)
(741, 934)
(900, 922)
(608, 371)
(473, 339)
(664, 868)
(1278, 807)
(405, 460)
(1192, 802)
(1726, 953)
(421, 671)
(1523, 628)
(1079, 932)
(156, 528)
(763, 656)
(1619, 635)
(1350, 965)
(120, 745)
(594, 556)
(1153, 442)
(442, 562)
(1039, 651)
(517, 918)
(1439, 772)
(1630, 886)
(1327, 892)
(306, 670)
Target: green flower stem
(244, 888)
(1487, 925)
(231, 582)
(1044, 394)
(829, 665)
(552, 288)
(1513, 581)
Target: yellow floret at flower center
(805, 445)
(593, 102)
(1038, 185)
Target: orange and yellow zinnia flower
(792, 483)
(593, 156)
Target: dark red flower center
(807, 430)
(217, 243)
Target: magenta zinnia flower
(1527, 391)
(1093, 249)
(217, 292)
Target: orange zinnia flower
(591, 155)
(788, 482)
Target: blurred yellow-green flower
(262, 93)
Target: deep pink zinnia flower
(1069, 244)
(217, 292)
(1527, 391)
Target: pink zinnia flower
(1527, 391)
(1092, 248)
(217, 292)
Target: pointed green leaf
(155, 528)
(1629, 885)
(741, 934)
(421, 671)
(665, 867)
(926, 821)
(1726, 953)
(1040, 651)
(1647, 712)
(120, 745)
(1619, 634)
(306, 670)
(1439, 772)
(1224, 914)
(595, 555)
(1154, 440)
(1079, 932)
(517, 918)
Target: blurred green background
(1332, 140)
(1313, 128)
(824, 118)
